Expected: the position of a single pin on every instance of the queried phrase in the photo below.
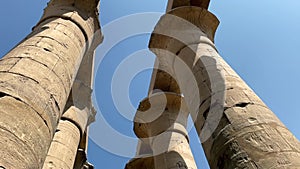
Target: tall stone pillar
(236, 128)
(70, 130)
(68, 147)
(36, 78)
(143, 158)
(161, 121)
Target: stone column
(79, 113)
(65, 143)
(36, 78)
(161, 120)
(236, 128)
(81, 98)
(143, 158)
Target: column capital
(146, 161)
(175, 3)
(158, 113)
(84, 13)
(78, 117)
(183, 26)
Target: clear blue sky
(259, 39)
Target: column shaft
(64, 146)
(237, 129)
(63, 149)
(161, 120)
(36, 77)
(177, 151)
(248, 134)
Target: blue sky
(259, 39)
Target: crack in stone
(3, 94)
(205, 113)
(56, 103)
(240, 105)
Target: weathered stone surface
(23, 144)
(252, 139)
(38, 75)
(33, 95)
(44, 77)
(63, 149)
(165, 131)
(144, 162)
(181, 27)
(79, 108)
(78, 117)
(64, 146)
(237, 129)
(179, 3)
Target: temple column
(63, 149)
(161, 120)
(78, 116)
(36, 79)
(236, 128)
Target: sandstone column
(36, 78)
(237, 129)
(69, 144)
(63, 149)
(161, 121)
